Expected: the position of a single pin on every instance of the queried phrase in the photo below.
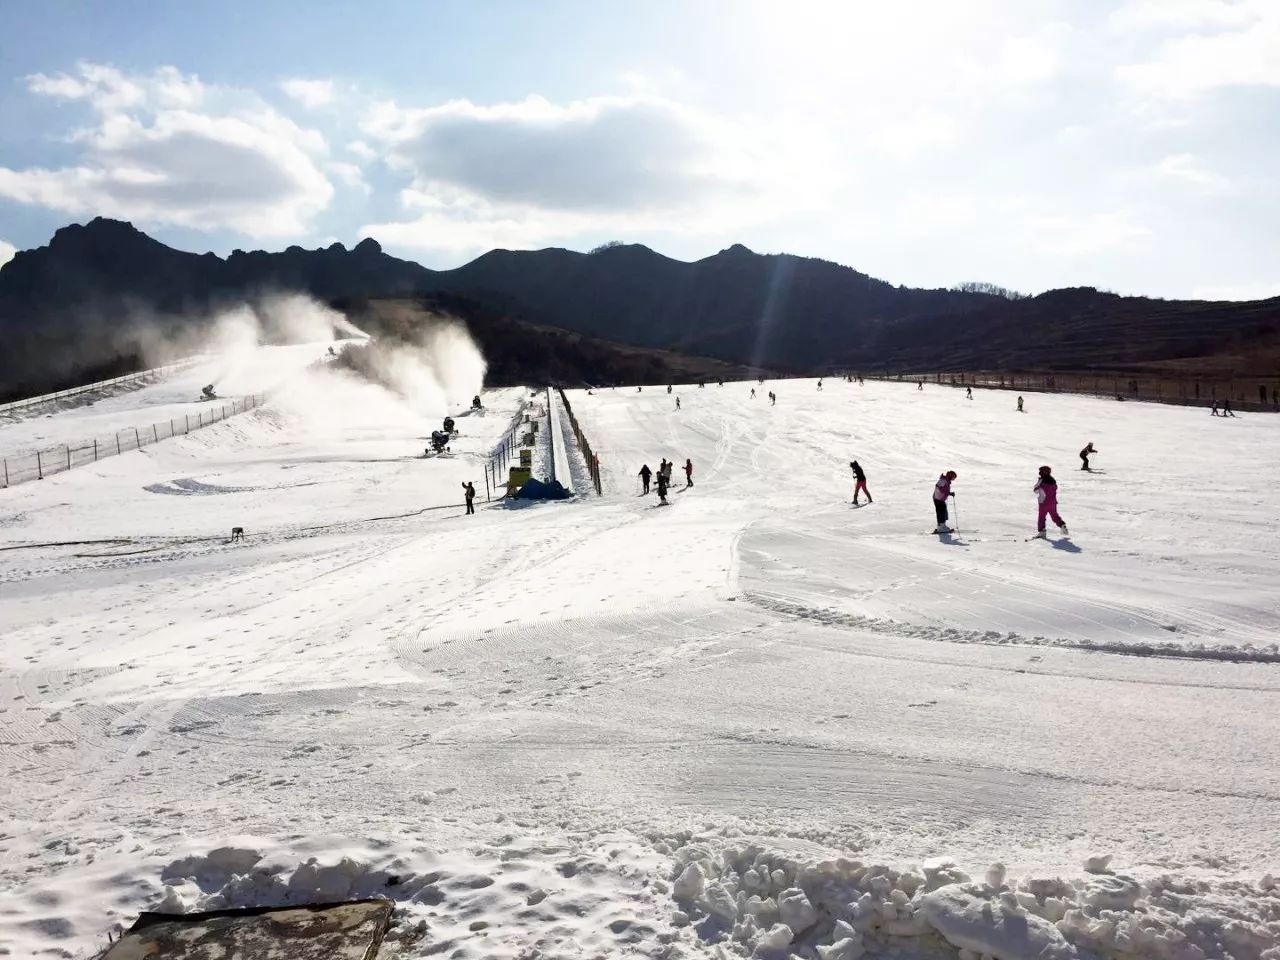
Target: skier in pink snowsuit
(1046, 489)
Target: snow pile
(518, 896)
(760, 903)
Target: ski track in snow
(597, 728)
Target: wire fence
(593, 462)
(502, 453)
(17, 408)
(1244, 393)
(58, 459)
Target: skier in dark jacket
(645, 474)
(663, 481)
(860, 485)
(1085, 454)
(688, 472)
(469, 491)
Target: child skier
(941, 491)
(1046, 489)
(1020, 410)
(1085, 454)
(688, 472)
(860, 486)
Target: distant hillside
(79, 302)
(518, 352)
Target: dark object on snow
(439, 441)
(475, 402)
(321, 931)
(237, 533)
(448, 424)
(533, 489)
(208, 392)
(469, 491)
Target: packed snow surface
(758, 722)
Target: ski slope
(175, 396)
(757, 721)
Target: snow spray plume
(436, 370)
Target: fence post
(117, 443)
(6, 471)
(95, 449)
(39, 467)
(137, 440)
(188, 429)
(67, 447)
(155, 433)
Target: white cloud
(7, 250)
(169, 150)
(1243, 291)
(1078, 235)
(310, 93)
(362, 150)
(1228, 46)
(529, 172)
(350, 174)
(1191, 169)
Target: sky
(1128, 145)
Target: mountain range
(74, 307)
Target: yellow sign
(526, 458)
(517, 478)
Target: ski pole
(956, 507)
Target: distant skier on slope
(941, 491)
(645, 474)
(753, 393)
(819, 383)
(968, 393)
(773, 399)
(1085, 454)
(1020, 410)
(1046, 489)
(688, 472)
(677, 403)
(663, 481)
(469, 491)
(860, 484)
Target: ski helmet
(951, 474)
(1045, 471)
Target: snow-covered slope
(605, 727)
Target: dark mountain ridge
(79, 302)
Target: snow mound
(754, 902)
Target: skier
(1020, 410)
(1085, 454)
(1226, 408)
(688, 473)
(663, 481)
(968, 393)
(773, 399)
(668, 389)
(860, 485)
(942, 490)
(1046, 489)
(920, 385)
(645, 474)
(677, 403)
(753, 393)
(469, 491)
(1214, 411)
(819, 383)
